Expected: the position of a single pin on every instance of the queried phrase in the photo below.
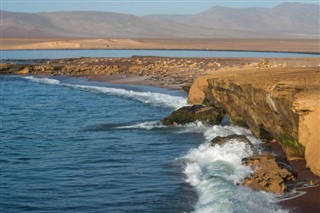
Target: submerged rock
(267, 175)
(239, 138)
(222, 140)
(206, 114)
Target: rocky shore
(278, 99)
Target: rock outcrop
(267, 175)
(206, 114)
(279, 103)
(239, 138)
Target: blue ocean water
(54, 54)
(71, 145)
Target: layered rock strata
(279, 103)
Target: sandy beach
(273, 45)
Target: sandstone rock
(196, 92)
(187, 114)
(194, 64)
(267, 175)
(24, 71)
(273, 102)
(213, 64)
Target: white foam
(196, 126)
(144, 125)
(225, 131)
(145, 97)
(43, 80)
(215, 171)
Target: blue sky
(135, 7)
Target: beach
(228, 44)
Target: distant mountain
(285, 20)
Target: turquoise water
(53, 54)
(71, 145)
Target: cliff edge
(275, 102)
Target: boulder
(24, 71)
(206, 114)
(239, 138)
(267, 175)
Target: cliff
(281, 103)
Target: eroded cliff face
(283, 104)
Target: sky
(135, 7)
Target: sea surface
(54, 54)
(72, 145)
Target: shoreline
(205, 44)
(161, 49)
(297, 204)
(168, 73)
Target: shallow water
(70, 145)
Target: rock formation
(187, 114)
(279, 103)
(239, 138)
(267, 175)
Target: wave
(144, 125)
(43, 80)
(196, 126)
(144, 97)
(215, 172)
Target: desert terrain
(274, 45)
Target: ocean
(72, 145)
(56, 54)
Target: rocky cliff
(275, 103)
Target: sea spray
(216, 171)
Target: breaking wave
(43, 80)
(144, 125)
(144, 97)
(215, 172)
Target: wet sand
(309, 202)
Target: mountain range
(288, 20)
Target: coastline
(257, 45)
(300, 204)
(175, 77)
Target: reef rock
(206, 114)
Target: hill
(288, 20)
